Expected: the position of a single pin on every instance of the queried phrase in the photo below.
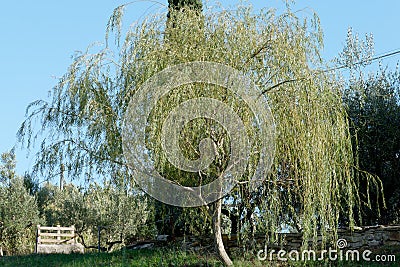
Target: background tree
(121, 216)
(372, 102)
(375, 114)
(18, 210)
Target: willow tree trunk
(196, 5)
(218, 242)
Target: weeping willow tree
(312, 180)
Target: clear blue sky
(37, 39)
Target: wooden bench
(57, 240)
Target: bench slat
(56, 234)
(62, 241)
(55, 228)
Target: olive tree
(372, 103)
(117, 213)
(19, 213)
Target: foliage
(373, 104)
(18, 210)
(66, 208)
(7, 167)
(121, 216)
(124, 215)
(375, 113)
(179, 4)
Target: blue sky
(38, 38)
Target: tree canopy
(312, 180)
(373, 105)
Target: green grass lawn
(157, 257)
(144, 257)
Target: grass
(144, 257)
(163, 257)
